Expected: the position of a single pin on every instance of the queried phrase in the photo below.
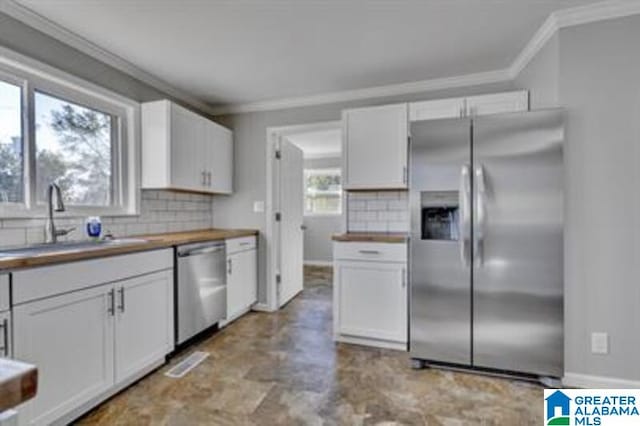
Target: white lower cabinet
(89, 343)
(70, 339)
(370, 294)
(5, 334)
(144, 322)
(242, 276)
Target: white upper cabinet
(221, 158)
(496, 103)
(436, 109)
(184, 151)
(375, 147)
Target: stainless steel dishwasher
(201, 288)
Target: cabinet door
(372, 300)
(70, 339)
(5, 334)
(498, 103)
(144, 322)
(242, 285)
(437, 109)
(376, 147)
(187, 138)
(221, 165)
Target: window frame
(321, 170)
(33, 77)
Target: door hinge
(278, 217)
(278, 154)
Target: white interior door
(291, 210)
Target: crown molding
(600, 11)
(370, 92)
(50, 28)
(565, 18)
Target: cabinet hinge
(278, 154)
(278, 217)
(278, 279)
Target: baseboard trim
(370, 342)
(598, 382)
(262, 307)
(318, 263)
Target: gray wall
(317, 237)
(599, 85)
(250, 132)
(30, 42)
(541, 77)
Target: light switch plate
(258, 206)
(600, 343)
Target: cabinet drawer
(4, 292)
(38, 283)
(235, 245)
(378, 252)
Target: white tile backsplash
(383, 211)
(160, 211)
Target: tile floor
(284, 369)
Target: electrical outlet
(600, 343)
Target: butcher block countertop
(18, 383)
(371, 237)
(147, 242)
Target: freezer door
(518, 242)
(440, 243)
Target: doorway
(304, 204)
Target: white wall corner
(587, 381)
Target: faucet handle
(62, 232)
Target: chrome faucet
(51, 232)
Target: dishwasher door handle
(204, 250)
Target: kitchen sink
(67, 246)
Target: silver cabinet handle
(465, 213)
(208, 178)
(203, 178)
(5, 338)
(481, 214)
(111, 303)
(369, 251)
(121, 305)
(230, 266)
(405, 174)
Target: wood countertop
(372, 237)
(148, 242)
(18, 383)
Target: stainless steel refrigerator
(486, 246)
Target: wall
(540, 76)
(600, 88)
(384, 211)
(160, 211)
(318, 247)
(250, 132)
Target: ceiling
(226, 52)
(318, 144)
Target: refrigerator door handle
(481, 214)
(465, 213)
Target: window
(322, 192)
(11, 153)
(57, 128)
(74, 147)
